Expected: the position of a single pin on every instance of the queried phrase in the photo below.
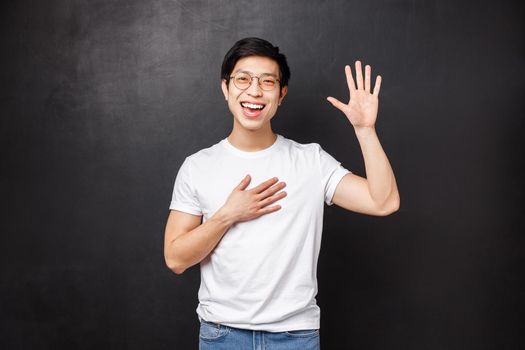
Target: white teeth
(252, 106)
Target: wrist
(364, 131)
(224, 217)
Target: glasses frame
(258, 80)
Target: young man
(260, 197)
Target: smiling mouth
(252, 106)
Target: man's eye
(242, 79)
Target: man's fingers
(267, 210)
(336, 103)
(263, 186)
(377, 86)
(349, 79)
(244, 183)
(368, 73)
(359, 75)
(266, 202)
(271, 191)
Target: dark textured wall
(102, 100)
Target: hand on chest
(303, 184)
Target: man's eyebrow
(251, 73)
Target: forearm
(380, 176)
(192, 247)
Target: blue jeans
(213, 336)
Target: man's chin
(252, 125)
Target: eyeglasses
(243, 80)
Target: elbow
(390, 206)
(396, 202)
(174, 266)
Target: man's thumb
(244, 183)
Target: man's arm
(377, 194)
(187, 241)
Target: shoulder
(205, 154)
(307, 148)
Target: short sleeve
(331, 173)
(184, 195)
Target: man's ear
(224, 88)
(284, 90)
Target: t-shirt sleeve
(184, 196)
(331, 173)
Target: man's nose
(254, 89)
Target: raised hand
(362, 108)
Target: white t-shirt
(262, 275)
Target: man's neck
(252, 141)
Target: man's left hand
(362, 108)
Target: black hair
(255, 47)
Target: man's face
(238, 100)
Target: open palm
(362, 108)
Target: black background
(102, 101)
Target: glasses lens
(267, 82)
(242, 80)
